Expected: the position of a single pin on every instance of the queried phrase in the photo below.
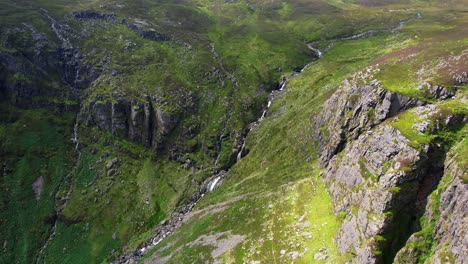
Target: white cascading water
(213, 184)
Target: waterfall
(213, 184)
(74, 139)
(239, 155)
(317, 51)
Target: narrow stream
(168, 227)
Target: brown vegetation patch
(403, 54)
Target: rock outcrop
(144, 122)
(378, 177)
(376, 181)
(444, 235)
(36, 67)
(93, 15)
(356, 107)
(144, 30)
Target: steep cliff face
(143, 122)
(359, 105)
(443, 235)
(17, 85)
(41, 68)
(380, 157)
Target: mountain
(246, 131)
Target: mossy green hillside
(34, 145)
(433, 53)
(256, 44)
(279, 151)
(105, 210)
(274, 224)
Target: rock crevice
(378, 177)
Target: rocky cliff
(443, 235)
(38, 67)
(380, 172)
(143, 122)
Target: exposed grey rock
(144, 30)
(321, 254)
(375, 174)
(119, 118)
(109, 164)
(353, 109)
(461, 78)
(366, 254)
(440, 92)
(111, 172)
(75, 74)
(40, 58)
(165, 121)
(38, 187)
(363, 164)
(293, 255)
(378, 173)
(141, 122)
(93, 15)
(448, 209)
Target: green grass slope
(229, 54)
(274, 198)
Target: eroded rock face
(144, 30)
(354, 109)
(377, 177)
(42, 67)
(445, 216)
(141, 122)
(20, 71)
(451, 229)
